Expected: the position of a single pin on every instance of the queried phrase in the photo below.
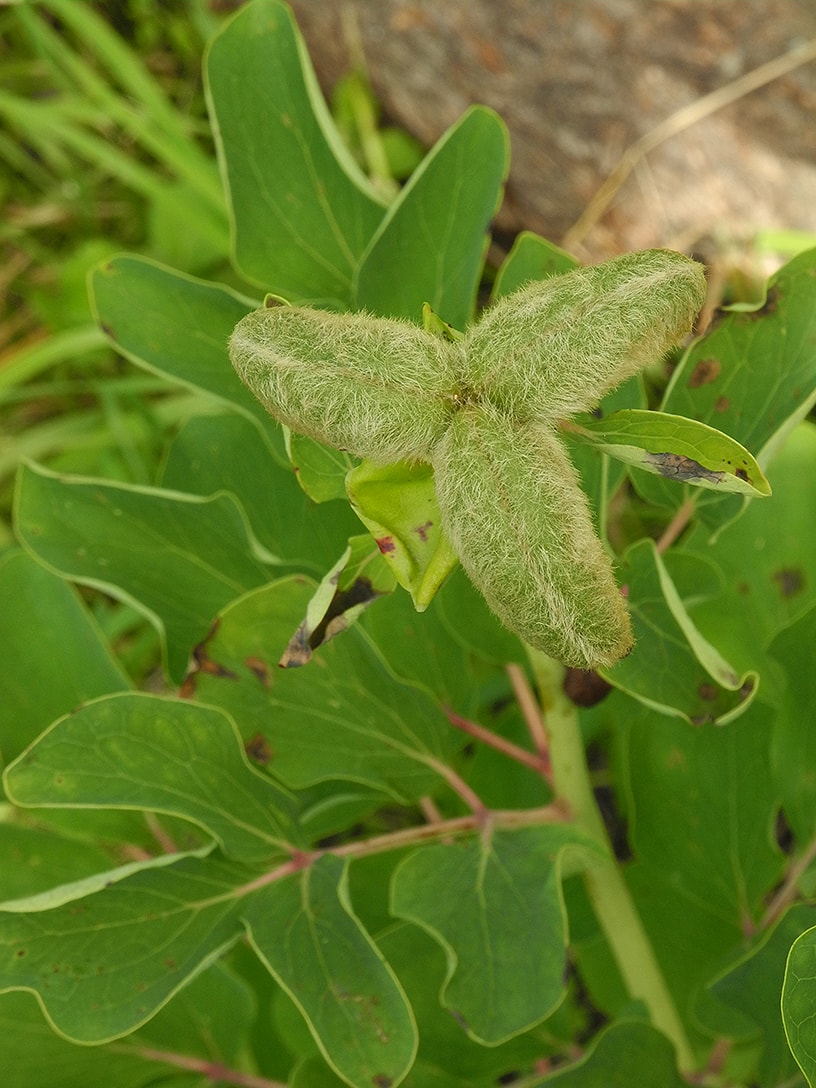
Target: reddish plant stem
(161, 836)
(790, 887)
(531, 710)
(676, 526)
(393, 840)
(217, 1072)
(538, 763)
(458, 785)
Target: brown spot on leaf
(20, 952)
(298, 651)
(422, 531)
(259, 749)
(722, 404)
(677, 467)
(259, 668)
(746, 689)
(361, 592)
(204, 663)
(705, 371)
(187, 689)
(386, 544)
(213, 668)
(789, 580)
(382, 1080)
(708, 692)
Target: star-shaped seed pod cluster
(484, 412)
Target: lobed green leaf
(677, 448)
(210, 454)
(752, 375)
(177, 558)
(280, 156)
(494, 904)
(799, 1002)
(530, 258)
(138, 751)
(48, 668)
(752, 986)
(345, 716)
(673, 667)
(435, 232)
(307, 935)
(174, 325)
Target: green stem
(607, 890)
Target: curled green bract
(484, 411)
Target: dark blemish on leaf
(298, 651)
(20, 952)
(382, 1080)
(701, 719)
(789, 580)
(709, 692)
(769, 306)
(212, 668)
(705, 371)
(513, 1075)
(783, 834)
(422, 531)
(259, 749)
(107, 329)
(259, 668)
(743, 589)
(361, 592)
(386, 544)
(171, 965)
(675, 466)
(722, 404)
(204, 663)
(459, 1018)
(187, 689)
(741, 474)
(585, 687)
(746, 689)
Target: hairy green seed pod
(378, 387)
(515, 513)
(556, 347)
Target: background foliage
(219, 871)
